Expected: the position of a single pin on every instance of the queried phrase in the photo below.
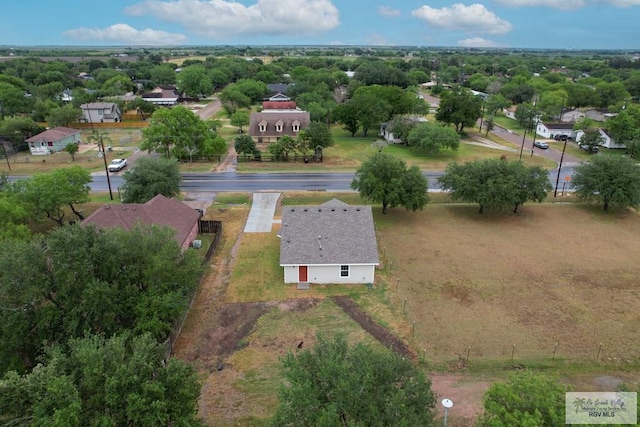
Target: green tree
(495, 183)
(281, 148)
(592, 139)
(401, 126)
(194, 81)
(385, 179)
(180, 132)
(460, 108)
(72, 149)
(239, 119)
(244, 144)
(526, 400)
(613, 181)
(431, 138)
(14, 215)
(122, 380)
(347, 115)
(150, 177)
(335, 384)
(12, 100)
(46, 194)
(232, 99)
(64, 116)
(83, 279)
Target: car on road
(541, 144)
(117, 165)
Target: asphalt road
(254, 182)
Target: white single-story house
(332, 243)
(163, 95)
(388, 136)
(550, 130)
(53, 140)
(607, 140)
(101, 112)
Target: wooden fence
(269, 158)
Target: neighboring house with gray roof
(329, 243)
(101, 112)
(160, 211)
(550, 130)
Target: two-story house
(101, 112)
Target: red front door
(302, 273)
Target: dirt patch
(465, 393)
(368, 324)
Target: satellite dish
(447, 403)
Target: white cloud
(377, 40)
(568, 4)
(477, 42)
(125, 34)
(222, 18)
(388, 11)
(475, 19)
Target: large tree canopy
(95, 381)
(81, 279)
(181, 133)
(47, 194)
(386, 179)
(150, 177)
(460, 108)
(613, 181)
(334, 384)
(496, 183)
(431, 138)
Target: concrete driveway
(261, 215)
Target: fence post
(599, 349)
(513, 350)
(468, 351)
(404, 306)
(413, 332)
(555, 349)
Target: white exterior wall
(330, 274)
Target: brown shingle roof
(271, 117)
(56, 134)
(157, 211)
(331, 233)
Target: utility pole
(555, 191)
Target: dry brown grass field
(482, 284)
(554, 273)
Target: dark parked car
(561, 137)
(541, 144)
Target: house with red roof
(159, 211)
(53, 140)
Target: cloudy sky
(567, 24)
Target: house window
(263, 126)
(296, 126)
(50, 144)
(344, 271)
(279, 126)
(99, 112)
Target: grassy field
(454, 284)
(123, 142)
(349, 152)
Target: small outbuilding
(332, 243)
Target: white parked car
(117, 165)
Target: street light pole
(555, 192)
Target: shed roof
(332, 233)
